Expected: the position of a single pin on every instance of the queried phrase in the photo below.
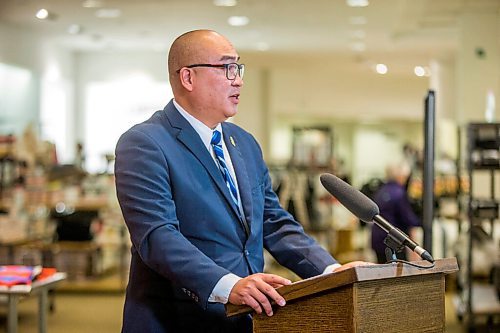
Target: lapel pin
(232, 141)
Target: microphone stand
(397, 240)
(393, 246)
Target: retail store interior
(331, 86)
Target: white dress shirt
(221, 291)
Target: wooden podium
(378, 298)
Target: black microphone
(367, 210)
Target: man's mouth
(235, 97)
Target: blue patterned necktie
(219, 154)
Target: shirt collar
(203, 130)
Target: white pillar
(477, 61)
(442, 81)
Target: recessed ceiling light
(92, 4)
(381, 68)
(357, 3)
(225, 3)
(42, 14)
(419, 71)
(238, 21)
(108, 13)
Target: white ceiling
(400, 33)
(400, 28)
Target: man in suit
(197, 199)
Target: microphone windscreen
(355, 201)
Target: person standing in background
(394, 205)
(80, 156)
(197, 199)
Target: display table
(40, 288)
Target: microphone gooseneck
(366, 210)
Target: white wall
(18, 105)
(115, 91)
(47, 101)
(57, 99)
(19, 80)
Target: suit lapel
(241, 172)
(188, 136)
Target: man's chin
(231, 113)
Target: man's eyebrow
(228, 57)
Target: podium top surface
(324, 282)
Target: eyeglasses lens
(233, 70)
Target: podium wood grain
(379, 298)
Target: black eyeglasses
(232, 70)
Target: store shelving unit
(480, 304)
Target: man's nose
(238, 81)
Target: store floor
(74, 313)
(84, 313)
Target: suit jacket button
(247, 253)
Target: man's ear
(186, 78)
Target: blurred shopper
(394, 205)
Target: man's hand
(353, 264)
(256, 291)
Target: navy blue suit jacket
(185, 230)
